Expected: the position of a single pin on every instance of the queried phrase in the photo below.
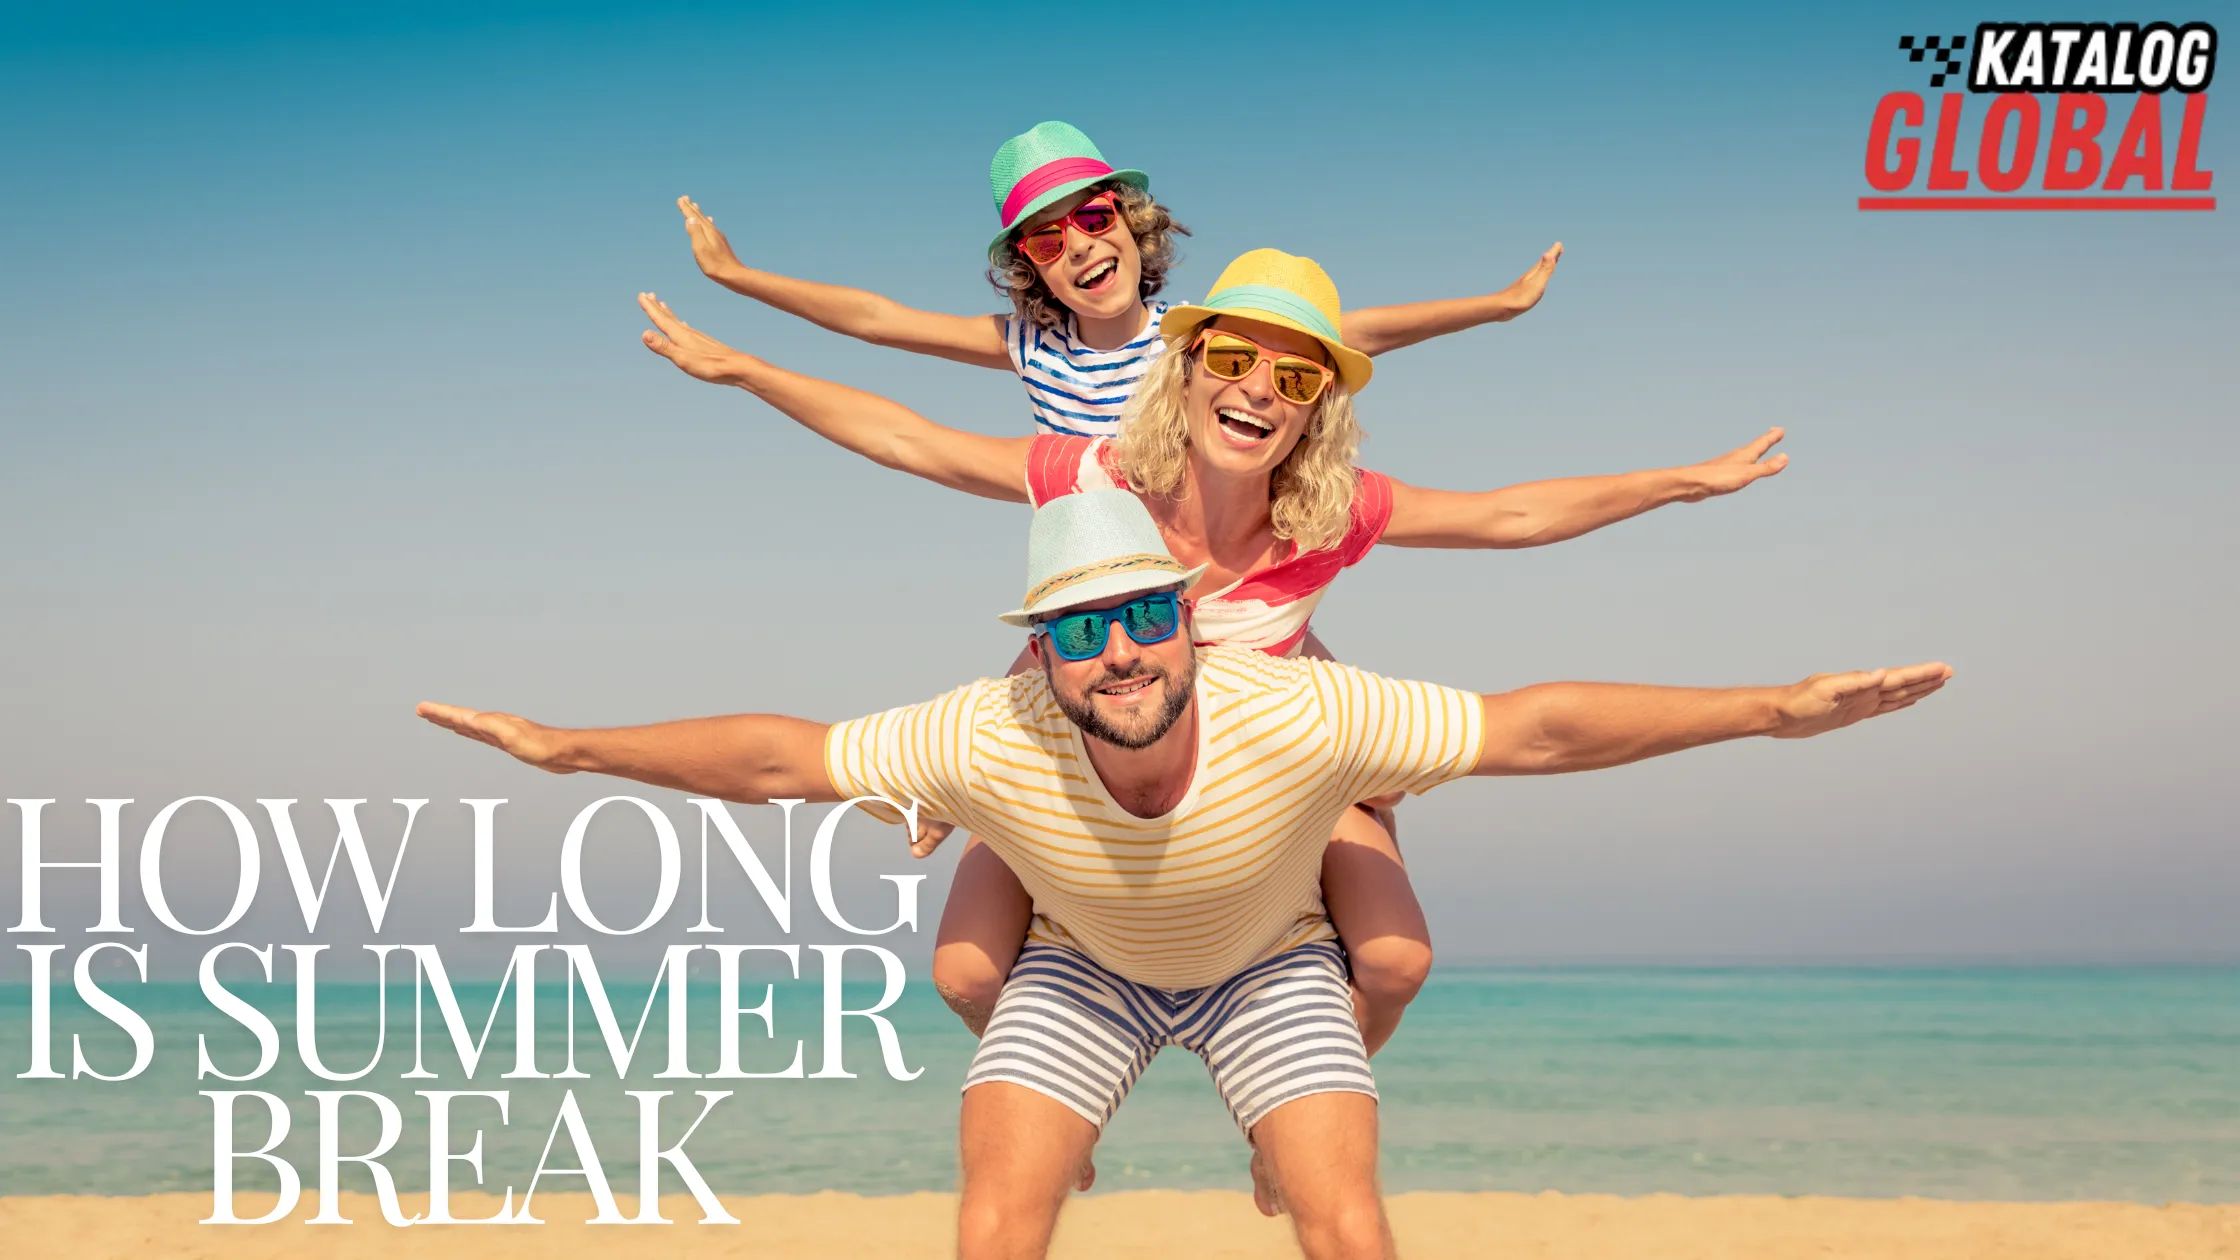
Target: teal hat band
(1266, 297)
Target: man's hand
(698, 354)
(1525, 293)
(537, 745)
(1734, 470)
(1827, 702)
(709, 248)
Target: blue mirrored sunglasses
(1080, 636)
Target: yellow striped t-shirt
(1232, 874)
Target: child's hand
(1525, 293)
(697, 353)
(709, 248)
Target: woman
(1240, 440)
(1084, 318)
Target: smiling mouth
(1243, 425)
(1128, 687)
(1096, 277)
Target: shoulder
(961, 718)
(1342, 687)
(1062, 464)
(1153, 341)
(1226, 670)
(1371, 513)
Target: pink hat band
(1046, 177)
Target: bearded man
(1167, 806)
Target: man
(1167, 807)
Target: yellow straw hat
(1276, 288)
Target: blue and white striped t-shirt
(1072, 388)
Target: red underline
(2037, 203)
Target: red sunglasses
(1094, 217)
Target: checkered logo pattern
(1946, 51)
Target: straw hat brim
(1132, 177)
(1177, 325)
(1099, 588)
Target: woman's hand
(696, 353)
(710, 248)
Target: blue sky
(319, 395)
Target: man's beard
(1093, 724)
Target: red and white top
(1266, 609)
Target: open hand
(697, 353)
(1735, 469)
(709, 247)
(537, 745)
(1827, 702)
(1525, 293)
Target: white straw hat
(1091, 546)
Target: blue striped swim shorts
(1279, 1030)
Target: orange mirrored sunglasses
(1233, 358)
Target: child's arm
(882, 321)
(1540, 512)
(1377, 329)
(879, 429)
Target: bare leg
(983, 925)
(1019, 1149)
(1365, 885)
(1321, 1151)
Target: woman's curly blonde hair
(1149, 222)
(1310, 494)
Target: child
(1084, 318)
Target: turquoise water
(1975, 1084)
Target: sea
(1955, 1083)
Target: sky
(320, 395)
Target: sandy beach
(1159, 1225)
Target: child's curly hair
(1153, 227)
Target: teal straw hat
(1041, 165)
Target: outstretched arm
(1376, 329)
(882, 321)
(752, 758)
(1535, 513)
(1555, 728)
(880, 429)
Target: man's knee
(1350, 1228)
(1391, 969)
(1020, 1151)
(989, 1226)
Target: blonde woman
(1241, 442)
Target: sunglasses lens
(1298, 380)
(1151, 620)
(1229, 358)
(1044, 245)
(1096, 218)
(1079, 636)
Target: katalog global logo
(2056, 116)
